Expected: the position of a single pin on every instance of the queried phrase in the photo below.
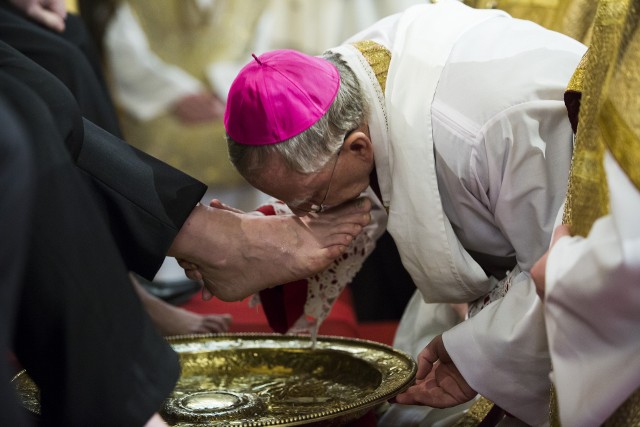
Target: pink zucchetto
(279, 95)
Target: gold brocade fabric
(378, 57)
(185, 35)
(476, 413)
(570, 17)
(587, 195)
(609, 118)
(628, 414)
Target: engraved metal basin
(274, 380)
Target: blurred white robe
(592, 309)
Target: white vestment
(592, 309)
(472, 150)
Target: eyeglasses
(321, 207)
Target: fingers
(425, 363)
(429, 356)
(59, 7)
(49, 18)
(426, 393)
(444, 387)
(449, 378)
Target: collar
(370, 62)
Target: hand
(199, 108)
(438, 382)
(538, 271)
(235, 255)
(50, 13)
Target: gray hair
(310, 150)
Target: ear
(358, 143)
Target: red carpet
(341, 321)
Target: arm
(589, 280)
(528, 153)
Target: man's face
(338, 182)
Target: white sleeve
(592, 310)
(143, 84)
(502, 351)
(528, 173)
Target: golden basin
(274, 380)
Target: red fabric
(341, 321)
(283, 304)
(379, 331)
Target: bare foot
(240, 254)
(172, 320)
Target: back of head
(293, 105)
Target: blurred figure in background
(170, 64)
(311, 26)
(161, 58)
(570, 17)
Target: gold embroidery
(570, 17)
(587, 195)
(628, 414)
(577, 79)
(608, 117)
(475, 414)
(623, 143)
(378, 57)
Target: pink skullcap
(279, 95)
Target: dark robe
(16, 200)
(99, 209)
(70, 56)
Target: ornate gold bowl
(274, 380)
